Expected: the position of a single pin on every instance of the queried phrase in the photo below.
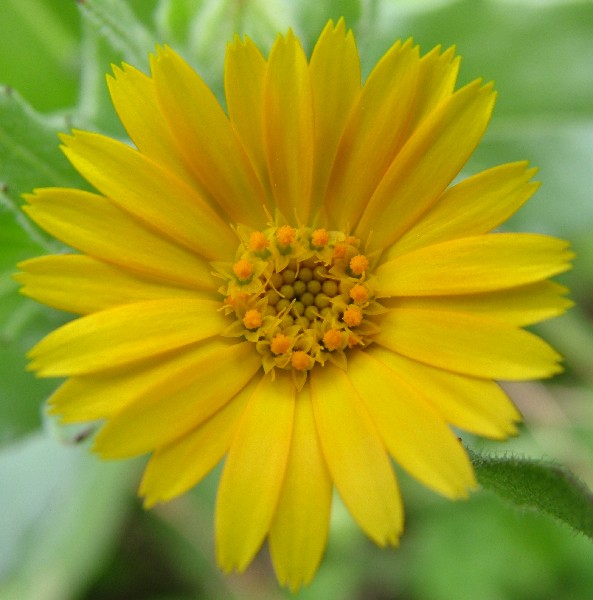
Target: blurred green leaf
(38, 51)
(61, 513)
(537, 485)
(116, 22)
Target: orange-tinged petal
(376, 126)
(81, 284)
(206, 138)
(178, 466)
(289, 127)
(134, 97)
(473, 206)
(355, 456)
(174, 406)
(413, 432)
(476, 405)
(94, 225)
(474, 264)
(518, 306)
(427, 164)
(254, 472)
(467, 343)
(298, 535)
(335, 84)
(103, 395)
(124, 335)
(141, 187)
(244, 74)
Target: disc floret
(302, 295)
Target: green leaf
(62, 510)
(29, 148)
(537, 485)
(116, 22)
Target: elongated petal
(244, 75)
(334, 66)
(474, 264)
(125, 334)
(436, 82)
(469, 344)
(427, 164)
(206, 138)
(518, 306)
(103, 395)
(299, 531)
(81, 284)
(254, 473)
(413, 432)
(289, 127)
(474, 206)
(177, 467)
(139, 186)
(92, 224)
(173, 407)
(134, 97)
(355, 455)
(476, 405)
(377, 124)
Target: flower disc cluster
(369, 316)
(301, 295)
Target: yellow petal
(174, 406)
(206, 138)
(244, 74)
(81, 284)
(427, 164)
(413, 432)
(334, 66)
(177, 467)
(141, 187)
(474, 206)
(518, 306)
(254, 472)
(355, 455)
(468, 344)
(474, 264)
(289, 127)
(134, 97)
(299, 531)
(376, 129)
(125, 334)
(105, 394)
(436, 82)
(92, 224)
(476, 405)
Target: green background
(71, 526)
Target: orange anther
(286, 235)
(359, 294)
(258, 241)
(359, 264)
(243, 269)
(320, 238)
(332, 339)
(252, 319)
(352, 316)
(340, 250)
(280, 344)
(300, 360)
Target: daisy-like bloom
(294, 285)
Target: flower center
(301, 295)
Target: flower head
(354, 310)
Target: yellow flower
(354, 310)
